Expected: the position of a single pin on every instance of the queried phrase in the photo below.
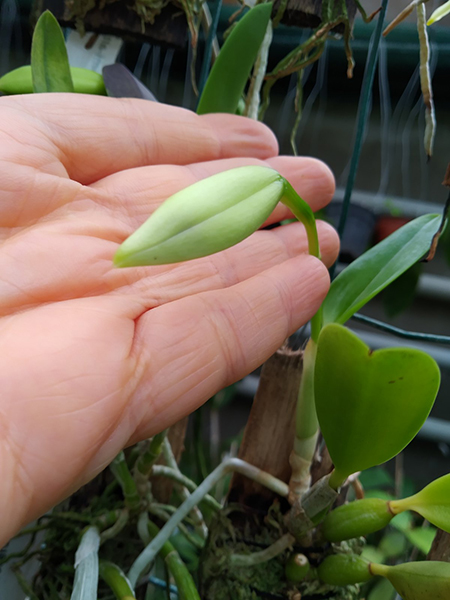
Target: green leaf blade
(377, 268)
(229, 74)
(370, 405)
(432, 503)
(49, 62)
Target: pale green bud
(207, 217)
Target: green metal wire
(410, 335)
(217, 8)
(362, 117)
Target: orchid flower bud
(205, 218)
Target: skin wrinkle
(34, 144)
(233, 352)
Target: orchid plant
(367, 404)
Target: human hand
(94, 358)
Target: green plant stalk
(237, 465)
(306, 427)
(121, 472)
(256, 558)
(183, 579)
(146, 461)
(303, 212)
(337, 479)
(116, 579)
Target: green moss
(243, 534)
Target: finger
(262, 250)
(65, 410)
(78, 263)
(95, 136)
(137, 193)
(188, 350)
(312, 179)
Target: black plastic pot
(358, 232)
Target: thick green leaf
(378, 267)
(427, 580)
(49, 63)
(370, 405)
(229, 74)
(433, 503)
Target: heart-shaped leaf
(433, 503)
(427, 580)
(370, 405)
(228, 77)
(365, 277)
(49, 62)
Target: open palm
(94, 358)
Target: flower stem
(307, 426)
(303, 212)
